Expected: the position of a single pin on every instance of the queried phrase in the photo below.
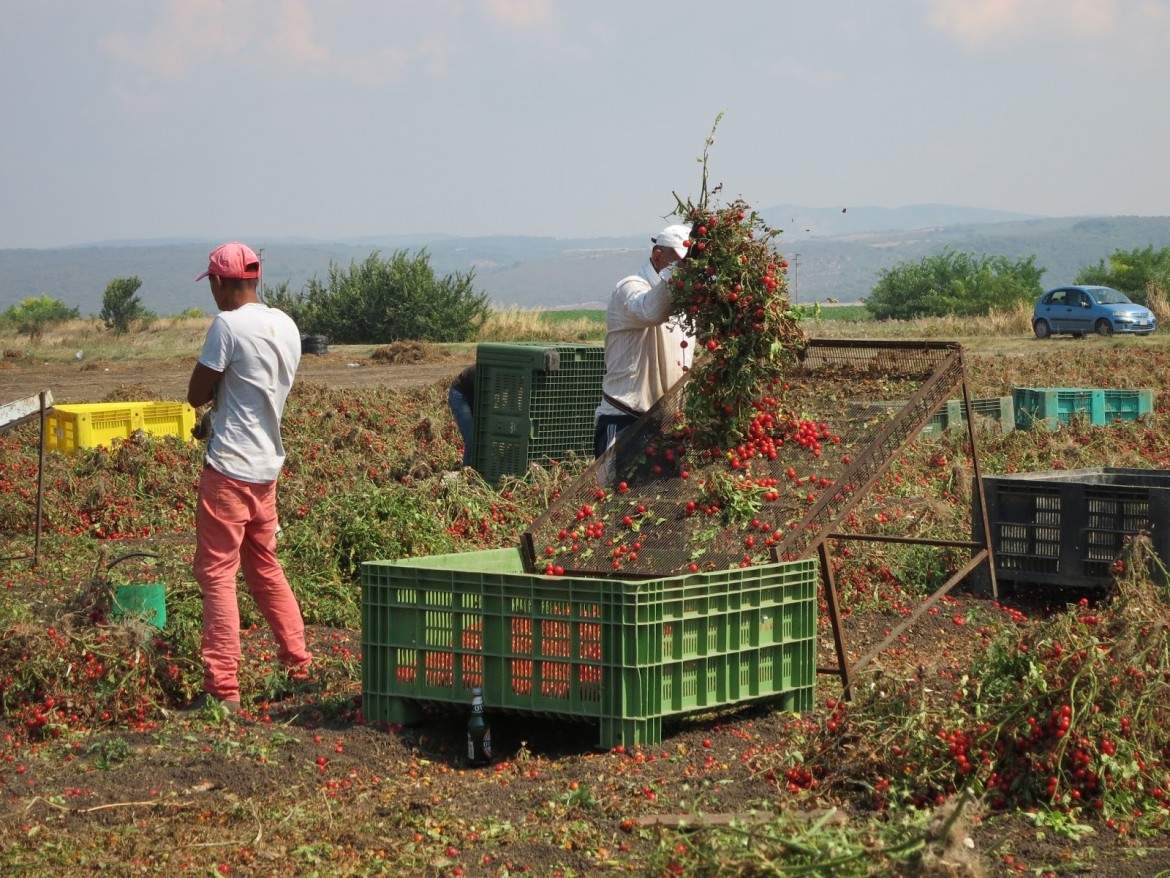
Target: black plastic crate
(533, 403)
(1067, 527)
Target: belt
(621, 406)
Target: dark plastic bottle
(479, 732)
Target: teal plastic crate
(1052, 406)
(1128, 405)
(533, 403)
(623, 654)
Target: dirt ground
(204, 795)
(164, 380)
(208, 795)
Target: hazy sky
(259, 119)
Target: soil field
(305, 785)
(167, 379)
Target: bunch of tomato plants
(1067, 713)
(732, 294)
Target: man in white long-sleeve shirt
(645, 351)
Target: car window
(1059, 297)
(1111, 297)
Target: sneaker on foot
(205, 701)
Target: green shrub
(32, 316)
(384, 300)
(121, 305)
(954, 283)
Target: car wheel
(1103, 327)
(1042, 329)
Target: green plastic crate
(1052, 406)
(994, 411)
(623, 654)
(533, 402)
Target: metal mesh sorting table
(656, 504)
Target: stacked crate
(533, 403)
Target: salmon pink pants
(236, 526)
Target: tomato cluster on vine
(732, 293)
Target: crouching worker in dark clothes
(461, 398)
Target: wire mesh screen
(658, 504)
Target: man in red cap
(245, 370)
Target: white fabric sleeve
(643, 307)
(218, 346)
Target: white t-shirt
(644, 356)
(257, 349)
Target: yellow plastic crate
(88, 425)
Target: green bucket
(144, 601)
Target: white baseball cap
(674, 238)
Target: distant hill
(846, 267)
(800, 223)
(832, 254)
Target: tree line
(966, 284)
(381, 300)
(378, 300)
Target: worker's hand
(202, 429)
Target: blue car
(1082, 309)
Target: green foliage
(121, 305)
(844, 313)
(385, 300)
(379, 522)
(954, 283)
(732, 295)
(32, 316)
(1131, 271)
(816, 844)
(571, 315)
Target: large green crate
(1052, 406)
(623, 654)
(533, 402)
